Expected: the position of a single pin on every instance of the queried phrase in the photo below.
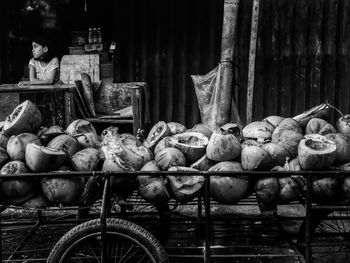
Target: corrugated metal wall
(302, 53)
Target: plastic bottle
(94, 35)
(99, 35)
(90, 36)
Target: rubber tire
(112, 225)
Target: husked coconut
(47, 134)
(88, 140)
(129, 138)
(4, 138)
(324, 188)
(16, 191)
(278, 153)
(40, 158)
(266, 190)
(36, 202)
(343, 125)
(169, 157)
(152, 188)
(203, 129)
(26, 117)
(274, 120)
(228, 189)
(162, 144)
(176, 127)
(203, 163)
(289, 139)
(342, 143)
(158, 132)
(192, 144)
(225, 144)
(184, 188)
(258, 130)
(319, 126)
(86, 159)
(319, 111)
(80, 126)
(254, 157)
(291, 188)
(66, 143)
(287, 124)
(17, 144)
(4, 157)
(137, 156)
(345, 187)
(316, 152)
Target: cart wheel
(125, 242)
(330, 236)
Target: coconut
(184, 188)
(203, 129)
(36, 202)
(17, 144)
(88, 140)
(289, 139)
(274, 120)
(343, 125)
(80, 126)
(40, 158)
(316, 152)
(26, 117)
(224, 144)
(169, 157)
(278, 153)
(345, 187)
(4, 157)
(192, 144)
(152, 188)
(4, 138)
(293, 165)
(266, 190)
(65, 191)
(158, 132)
(47, 134)
(16, 191)
(66, 143)
(342, 143)
(291, 188)
(324, 189)
(254, 157)
(258, 130)
(319, 126)
(203, 163)
(162, 144)
(134, 155)
(129, 138)
(86, 159)
(176, 127)
(287, 124)
(228, 189)
(123, 182)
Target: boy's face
(38, 50)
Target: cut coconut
(88, 140)
(48, 134)
(158, 131)
(203, 163)
(136, 156)
(86, 159)
(176, 127)
(26, 117)
(343, 125)
(80, 126)
(162, 144)
(170, 157)
(17, 144)
(258, 130)
(192, 144)
(39, 158)
(274, 120)
(66, 143)
(316, 153)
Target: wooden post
(252, 55)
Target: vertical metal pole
(207, 218)
(103, 218)
(1, 209)
(308, 249)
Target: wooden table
(66, 89)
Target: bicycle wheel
(330, 236)
(125, 242)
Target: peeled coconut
(26, 117)
(80, 126)
(152, 188)
(289, 139)
(203, 163)
(65, 191)
(158, 132)
(342, 143)
(170, 157)
(192, 144)
(343, 125)
(287, 124)
(254, 157)
(40, 158)
(17, 144)
(277, 152)
(47, 134)
(66, 143)
(266, 190)
(316, 153)
(319, 126)
(86, 159)
(324, 188)
(184, 188)
(228, 189)
(258, 130)
(203, 129)
(176, 127)
(4, 157)
(88, 140)
(224, 144)
(136, 156)
(274, 120)
(16, 191)
(162, 144)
